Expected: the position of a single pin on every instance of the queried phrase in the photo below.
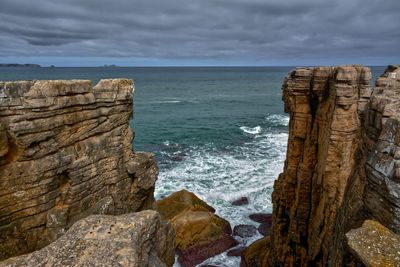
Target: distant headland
(19, 65)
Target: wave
(166, 102)
(249, 130)
(174, 101)
(277, 119)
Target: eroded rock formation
(341, 166)
(66, 153)
(135, 240)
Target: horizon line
(184, 66)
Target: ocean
(219, 132)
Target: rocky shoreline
(74, 192)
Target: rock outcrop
(341, 166)
(66, 153)
(130, 240)
(200, 234)
(375, 245)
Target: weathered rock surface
(375, 245)
(134, 239)
(341, 165)
(200, 234)
(382, 150)
(66, 153)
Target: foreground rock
(341, 165)
(200, 234)
(66, 153)
(131, 240)
(375, 245)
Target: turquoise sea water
(218, 132)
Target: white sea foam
(277, 119)
(174, 101)
(220, 176)
(166, 102)
(249, 130)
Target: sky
(200, 32)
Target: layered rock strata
(131, 240)
(341, 165)
(66, 153)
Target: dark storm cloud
(243, 30)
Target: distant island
(20, 65)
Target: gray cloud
(246, 31)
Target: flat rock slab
(374, 244)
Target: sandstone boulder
(200, 235)
(178, 202)
(375, 245)
(135, 239)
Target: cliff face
(382, 150)
(65, 153)
(341, 164)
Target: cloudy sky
(200, 32)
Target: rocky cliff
(341, 166)
(66, 153)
